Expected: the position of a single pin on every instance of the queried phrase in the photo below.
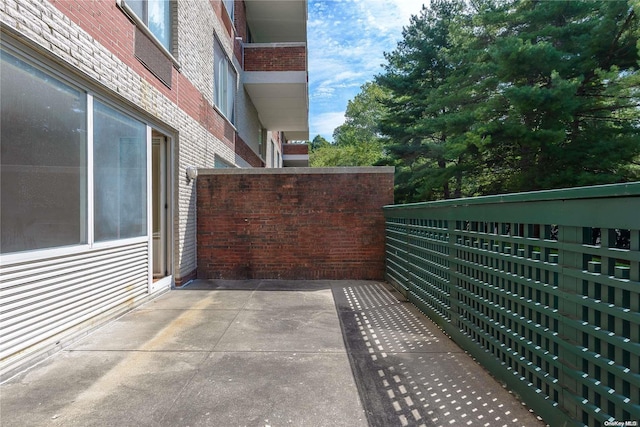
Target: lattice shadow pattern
(409, 373)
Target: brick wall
(292, 224)
(270, 58)
(295, 148)
(240, 22)
(244, 151)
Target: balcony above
(275, 21)
(295, 155)
(275, 78)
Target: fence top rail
(592, 192)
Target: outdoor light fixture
(192, 173)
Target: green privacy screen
(542, 288)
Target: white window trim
(149, 236)
(43, 254)
(64, 251)
(143, 27)
(90, 193)
(119, 242)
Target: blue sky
(346, 41)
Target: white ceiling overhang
(274, 21)
(281, 98)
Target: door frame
(166, 215)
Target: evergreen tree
(512, 96)
(318, 142)
(564, 85)
(426, 119)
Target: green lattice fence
(542, 288)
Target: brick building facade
(106, 105)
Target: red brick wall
(108, 24)
(244, 151)
(295, 148)
(240, 22)
(290, 58)
(304, 224)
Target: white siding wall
(104, 281)
(44, 302)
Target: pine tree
(503, 95)
(564, 85)
(427, 116)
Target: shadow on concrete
(263, 353)
(409, 373)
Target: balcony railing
(275, 77)
(295, 155)
(275, 57)
(542, 288)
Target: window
(228, 4)
(225, 78)
(156, 15)
(219, 163)
(43, 172)
(262, 142)
(120, 175)
(47, 197)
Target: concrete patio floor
(264, 353)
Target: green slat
(441, 267)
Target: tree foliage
(332, 155)
(356, 142)
(499, 96)
(424, 120)
(318, 142)
(361, 117)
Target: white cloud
(388, 16)
(347, 39)
(325, 123)
(322, 91)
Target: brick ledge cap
(298, 171)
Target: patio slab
(271, 389)
(99, 388)
(271, 330)
(409, 373)
(264, 353)
(162, 330)
(204, 299)
(292, 301)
